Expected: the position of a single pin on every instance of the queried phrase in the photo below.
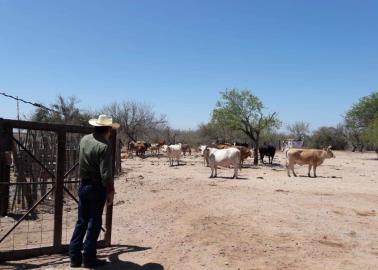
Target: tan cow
(311, 157)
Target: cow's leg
(315, 171)
(292, 169)
(236, 169)
(216, 170)
(212, 172)
(309, 170)
(288, 169)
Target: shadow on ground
(111, 253)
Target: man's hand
(110, 195)
(110, 198)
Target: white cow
(202, 149)
(289, 144)
(164, 148)
(206, 155)
(225, 158)
(174, 153)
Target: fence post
(59, 184)
(5, 147)
(109, 209)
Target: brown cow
(224, 145)
(141, 148)
(186, 148)
(245, 152)
(311, 157)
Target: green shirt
(95, 159)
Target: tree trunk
(256, 151)
(354, 148)
(361, 148)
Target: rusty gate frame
(7, 126)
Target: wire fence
(38, 188)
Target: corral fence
(39, 180)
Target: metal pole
(109, 209)
(5, 145)
(59, 186)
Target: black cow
(267, 150)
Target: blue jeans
(92, 198)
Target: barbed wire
(30, 103)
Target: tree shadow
(370, 159)
(32, 216)
(229, 178)
(112, 253)
(322, 177)
(266, 164)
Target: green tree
(359, 118)
(329, 136)
(371, 133)
(66, 112)
(242, 111)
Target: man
(97, 187)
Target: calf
(155, 149)
(269, 151)
(225, 158)
(311, 157)
(174, 153)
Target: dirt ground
(176, 218)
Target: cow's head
(329, 152)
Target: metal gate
(38, 180)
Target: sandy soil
(179, 219)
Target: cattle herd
(233, 155)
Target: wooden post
(109, 209)
(5, 148)
(59, 184)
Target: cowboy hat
(104, 121)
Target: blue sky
(306, 60)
